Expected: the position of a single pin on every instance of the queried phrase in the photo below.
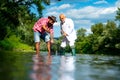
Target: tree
(80, 34)
(97, 28)
(117, 17)
(109, 41)
(118, 14)
(17, 12)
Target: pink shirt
(38, 25)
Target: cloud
(87, 12)
(68, 1)
(101, 2)
(51, 13)
(64, 6)
(117, 3)
(56, 8)
(90, 12)
(85, 16)
(83, 22)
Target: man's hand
(46, 29)
(63, 33)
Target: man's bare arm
(45, 28)
(51, 38)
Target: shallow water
(27, 66)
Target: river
(27, 66)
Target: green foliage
(97, 28)
(117, 17)
(118, 14)
(14, 13)
(5, 44)
(104, 39)
(16, 22)
(25, 33)
(80, 34)
(13, 43)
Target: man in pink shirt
(43, 28)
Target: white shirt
(68, 28)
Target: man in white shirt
(68, 32)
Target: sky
(84, 13)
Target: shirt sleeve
(38, 25)
(43, 22)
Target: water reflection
(41, 68)
(67, 68)
(53, 68)
(26, 66)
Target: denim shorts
(45, 36)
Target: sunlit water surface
(28, 66)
